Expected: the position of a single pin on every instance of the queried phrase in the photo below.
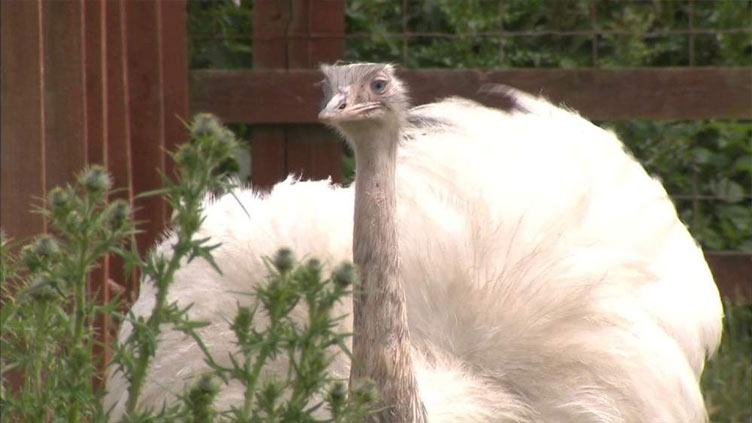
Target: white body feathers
(547, 276)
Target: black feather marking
(501, 97)
(419, 121)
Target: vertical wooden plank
(270, 21)
(300, 34)
(64, 90)
(175, 70)
(94, 118)
(145, 112)
(21, 118)
(733, 274)
(314, 152)
(117, 133)
(94, 81)
(268, 157)
(316, 35)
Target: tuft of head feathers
(362, 95)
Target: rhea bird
(516, 265)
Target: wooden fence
(106, 81)
(90, 81)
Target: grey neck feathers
(381, 341)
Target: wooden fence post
(293, 35)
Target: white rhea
(517, 266)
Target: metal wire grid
(595, 32)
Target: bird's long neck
(381, 340)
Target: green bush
(727, 378)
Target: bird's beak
(342, 107)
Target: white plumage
(548, 277)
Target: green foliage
(306, 348)
(49, 323)
(727, 379)
(210, 146)
(220, 34)
(547, 33)
(710, 158)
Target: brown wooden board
(268, 143)
(316, 35)
(733, 274)
(173, 35)
(21, 119)
(117, 135)
(64, 90)
(270, 23)
(286, 35)
(94, 77)
(293, 97)
(269, 156)
(145, 113)
(269, 96)
(258, 96)
(314, 153)
(96, 152)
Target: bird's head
(362, 93)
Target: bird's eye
(378, 86)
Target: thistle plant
(210, 146)
(47, 318)
(49, 370)
(308, 347)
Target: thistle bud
(119, 211)
(204, 391)
(95, 179)
(365, 392)
(226, 136)
(270, 391)
(46, 246)
(29, 258)
(58, 199)
(284, 260)
(344, 275)
(314, 266)
(337, 395)
(242, 324)
(186, 156)
(205, 125)
(42, 289)
(200, 399)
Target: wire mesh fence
(706, 165)
(568, 33)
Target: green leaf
(728, 190)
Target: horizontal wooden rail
(732, 273)
(292, 97)
(269, 96)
